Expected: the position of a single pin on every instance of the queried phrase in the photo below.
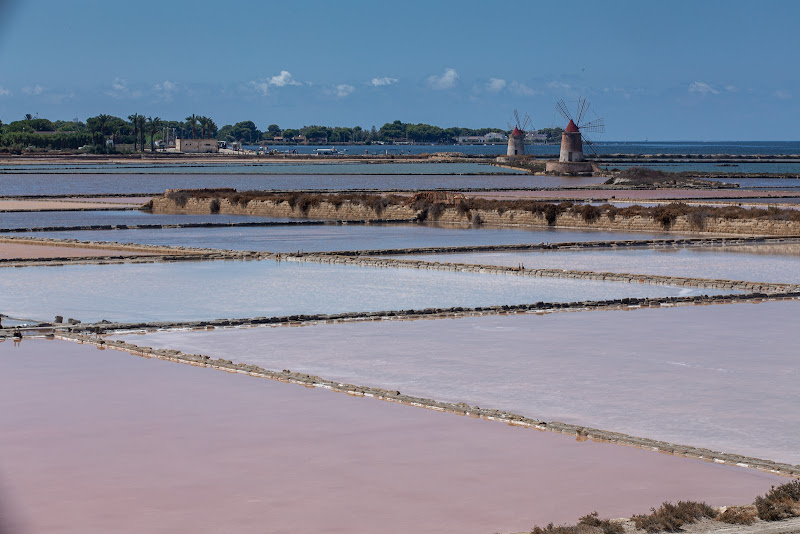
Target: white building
(196, 146)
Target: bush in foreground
(588, 524)
(671, 517)
(738, 515)
(779, 503)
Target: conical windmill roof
(571, 128)
(517, 132)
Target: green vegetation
(110, 134)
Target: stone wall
(352, 212)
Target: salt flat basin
(102, 441)
(758, 263)
(725, 377)
(114, 217)
(346, 237)
(25, 251)
(187, 291)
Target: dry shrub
(179, 197)
(610, 211)
(697, 219)
(739, 515)
(213, 207)
(463, 208)
(780, 502)
(588, 524)
(306, 202)
(606, 526)
(671, 517)
(551, 213)
(588, 212)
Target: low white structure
(196, 146)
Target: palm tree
(203, 126)
(153, 125)
(135, 123)
(102, 120)
(141, 125)
(211, 126)
(191, 121)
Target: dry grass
(671, 517)
(739, 515)
(588, 524)
(780, 502)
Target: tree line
(106, 133)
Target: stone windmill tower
(570, 159)
(516, 141)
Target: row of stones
(456, 408)
(191, 254)
(581, 245)
(202, 225)
(434, 313)
(651, 279)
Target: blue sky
(668, 70)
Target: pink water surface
(101, 441)
(723, 377)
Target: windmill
(574, 135)
(516, 141)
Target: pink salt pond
(102, 441)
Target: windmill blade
(516, 118)
(561, 107)
(597, 125)
(527, 122)
(588, 143)
(510, 126)
(583, 106)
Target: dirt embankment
(458, 209)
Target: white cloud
(33, 89)
(447, 80)
(731, 88)
(283, 79)
(782, 94)
(521, 89)
(166, 86)
(165, 90)
(495, 85)
(385, 80)
(260, 87)
(4, 91)
(343, 90)
(279, 80)
(559, 86)
(702, 88)
(120, 89)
